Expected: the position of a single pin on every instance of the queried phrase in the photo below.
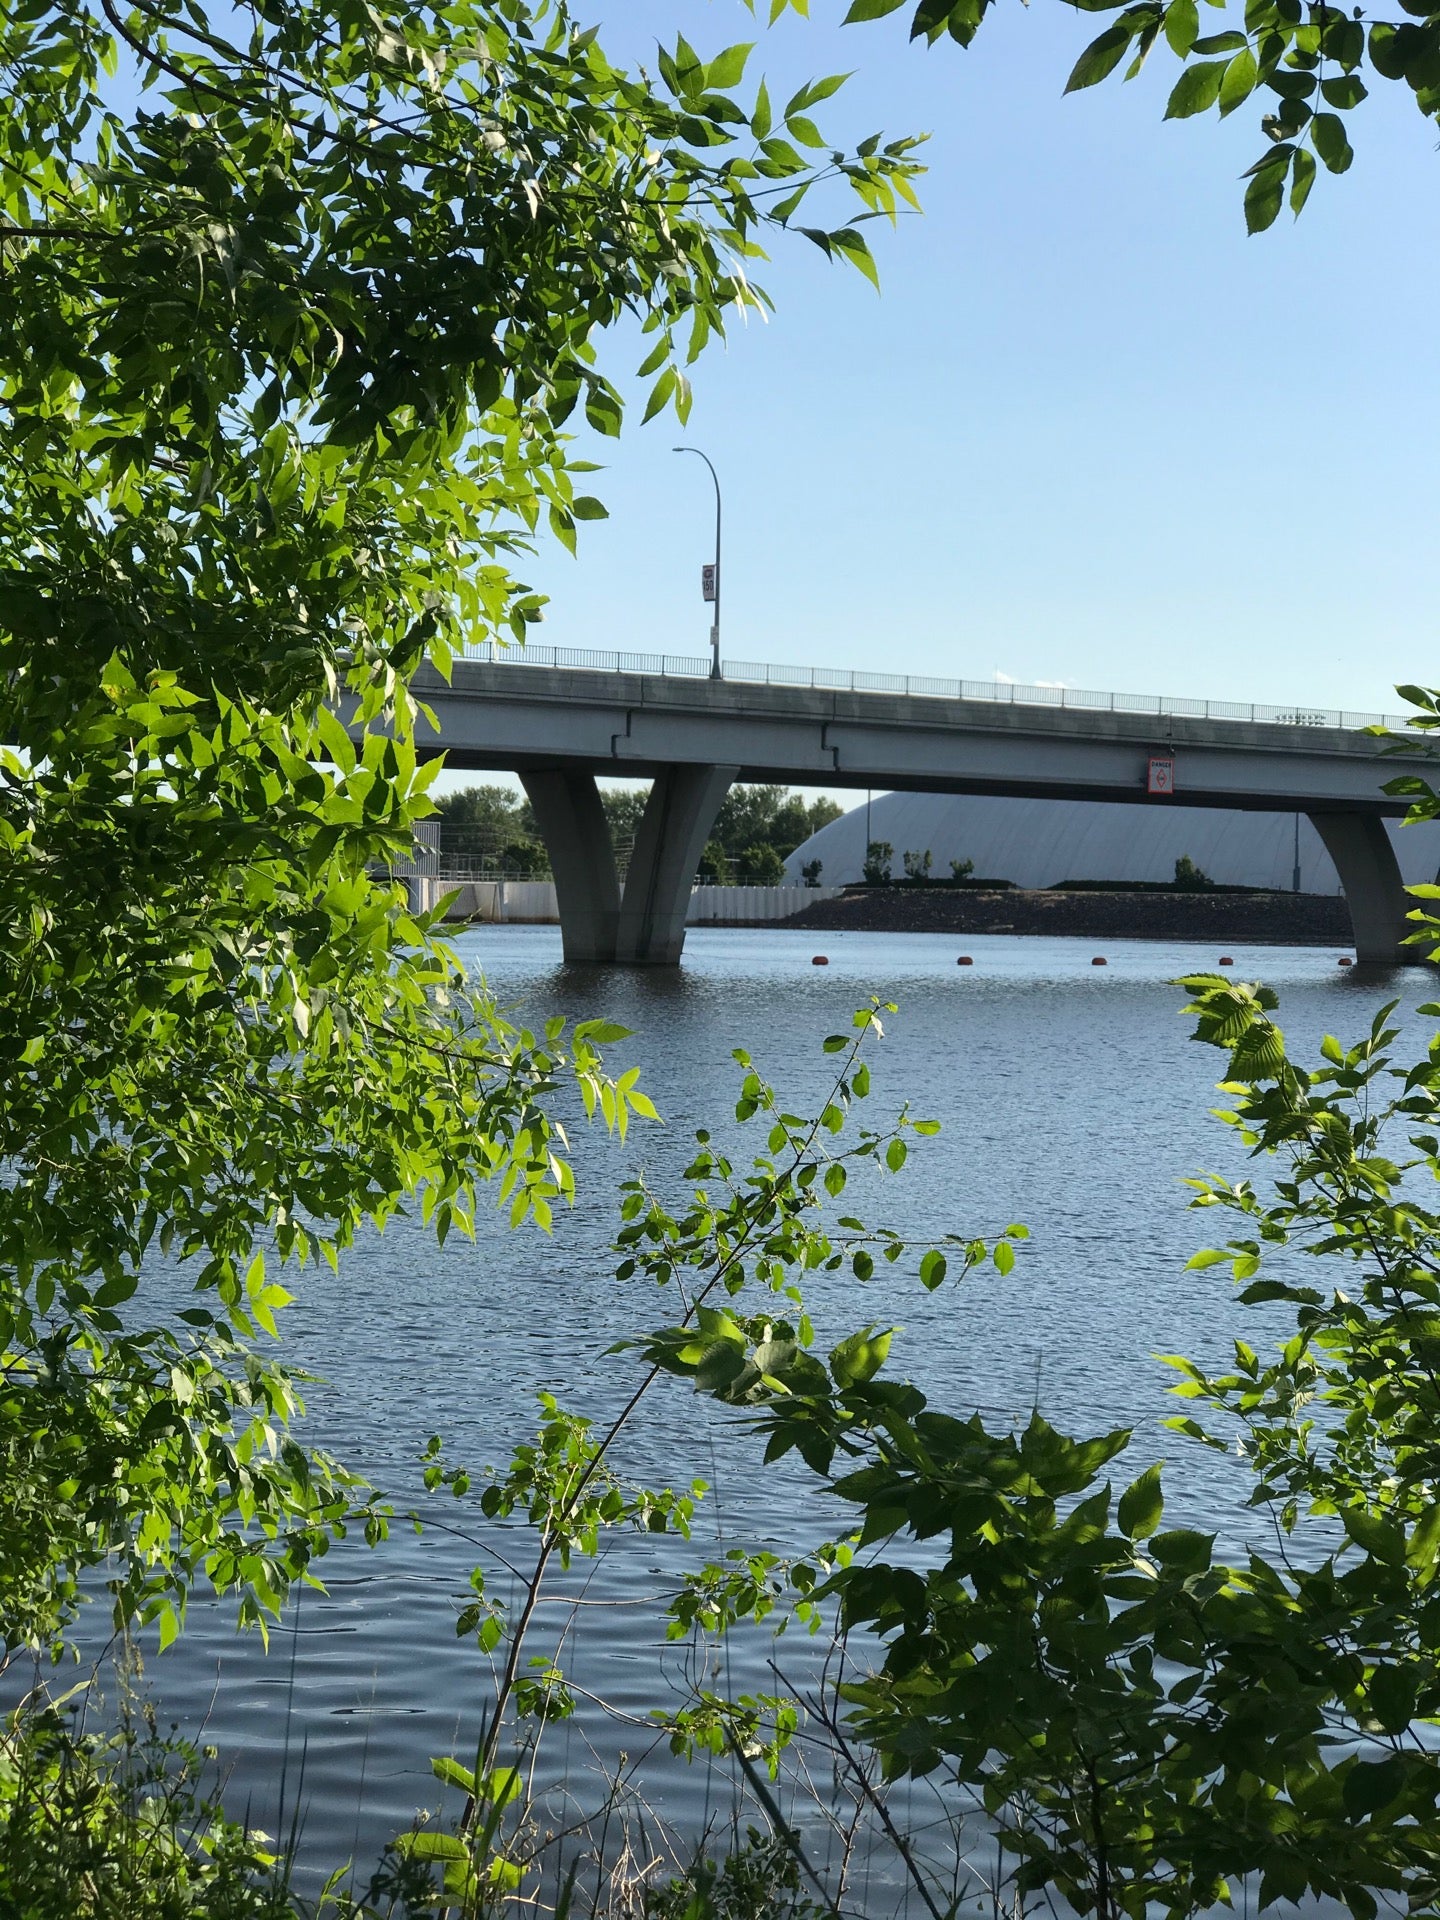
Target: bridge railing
(924, 687)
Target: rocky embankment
(1255, 919)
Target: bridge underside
(642, 923)
(559, 729)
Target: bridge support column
(676, 824)
(1374, 892)
(577, 837)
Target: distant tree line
(492, 829)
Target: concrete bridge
(560, 718)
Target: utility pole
(710, 576)
(1295, 870)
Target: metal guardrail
(919, 686)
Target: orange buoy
(1226, 961)
(1346, 961)
(820, 960)
(964, 961)
(1099, 961)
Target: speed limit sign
(1162, 775)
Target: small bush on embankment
(118, 1827)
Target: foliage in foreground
(1143, 1726)
(296, 304)
(119, 1827)
(1307, 64)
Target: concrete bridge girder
(676, 824)
(572, 823)
(1375, 893)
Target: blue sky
(1088, 432)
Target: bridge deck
(500, 715)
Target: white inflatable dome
(1037, 843)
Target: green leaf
(1238, 82)
(603, 1033)
(425, 1844)
(727, 69)
(1265, 192)
(1374, 1534)
(861, 1357)
(871, 10)
(1141, 1505)
(1327, 131)
(660, 394)
(1182, 24)
(1393, 1698)
(1370, 1785)
(762, 120)
(453, 1774)
(1304, 171)
(1183, 1551)
(1197, 89)
(1099, 59)
(849, 245)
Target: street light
(710, 576)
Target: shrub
(877, 863)
(1189, 878)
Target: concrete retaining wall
(721, 906)
(532, 902)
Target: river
(1070, 1098)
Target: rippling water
(1070, 1098)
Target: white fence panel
(719, 906)
(533, 902)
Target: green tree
(477, 824)
(297, 303)
(525, 859)
(760, 866)
(878, 856)
(770, 816)
(1189, 878)
(714, 870)
(624, 807)
(1305, 65)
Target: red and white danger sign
(1161, 777)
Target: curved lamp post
(710, 585)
